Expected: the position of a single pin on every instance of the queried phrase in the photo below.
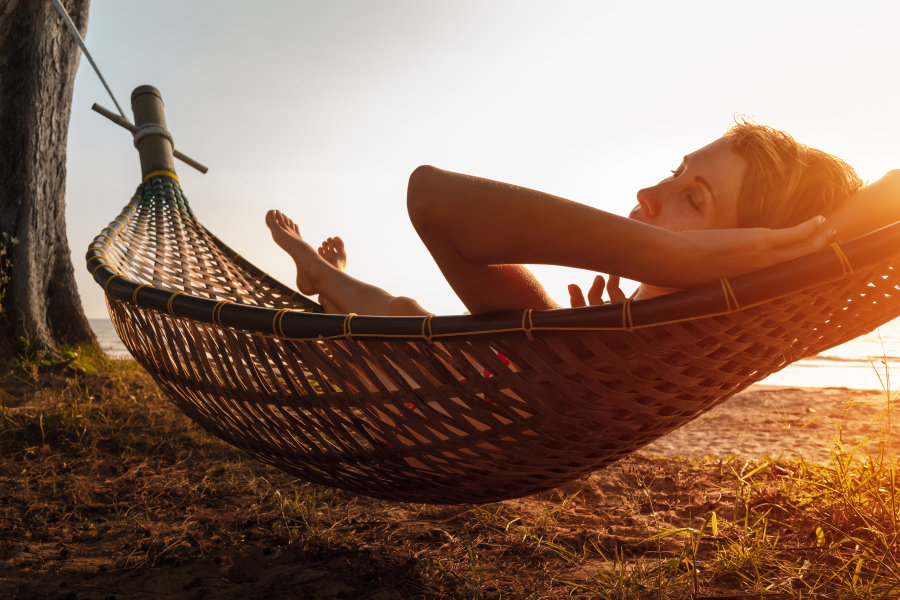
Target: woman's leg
(341, 293)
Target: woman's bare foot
(333, 251)
(309, 264)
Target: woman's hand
(730, 252)
(595, 294)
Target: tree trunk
(38, 61)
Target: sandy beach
(767, 420)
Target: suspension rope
(150, 128)
(80, 41)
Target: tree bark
(38, 61)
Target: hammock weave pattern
(457, 409)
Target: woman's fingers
(576, 296)
(615, 293)
(595, 294)
(782, 238)
(813, 244)
(732, 252)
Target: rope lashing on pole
(152, 129)
(135, 131)
(122, 120)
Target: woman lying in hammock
(759, 183)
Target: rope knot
(217, 310)
(731, 301)
(276, 321)
(846, 267)
(152, 129)
(348, 334)
(627, 322)
(106, 285)
(426, 327)
(134, 299)
(98, 267)
(169, 307)
(527, 324)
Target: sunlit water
(108, 338)
(849, 365)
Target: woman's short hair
(786, 182)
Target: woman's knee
(422, 197)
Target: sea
(868, 362)
(109, 339)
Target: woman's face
(701, 194)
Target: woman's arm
(871, 208)
(875, 206)
(481, 232)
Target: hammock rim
(710, 300)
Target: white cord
(152, 129)
(80, 41)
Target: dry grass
(106, 490)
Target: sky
(323, 109)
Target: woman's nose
(648, 198)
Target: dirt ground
(112, 494)
(230, 546)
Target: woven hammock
(457, 409)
